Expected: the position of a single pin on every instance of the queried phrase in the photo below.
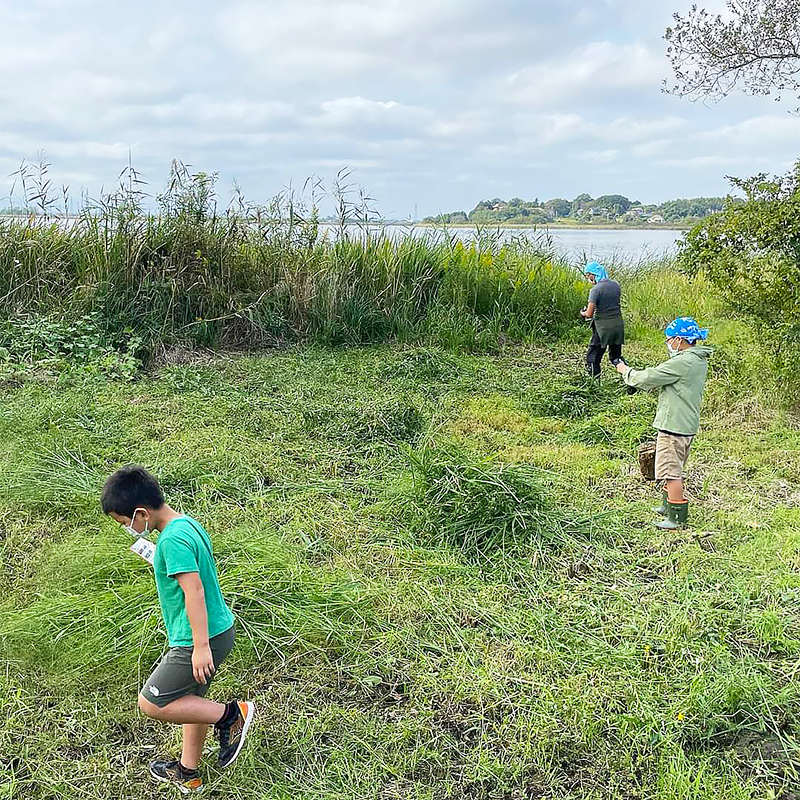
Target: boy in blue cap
(680, 382)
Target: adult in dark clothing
(603, 309)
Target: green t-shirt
(183, 546)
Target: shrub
(751, 254)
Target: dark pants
(596, 351)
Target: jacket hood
(701, 351)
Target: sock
(186, 770)
(230, 714)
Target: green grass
(443, 569)
(132, 282)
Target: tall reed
(250, 274)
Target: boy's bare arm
(202, 658)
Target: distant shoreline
(609, 227)
(465, 225)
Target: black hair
(130, 488)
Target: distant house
(656, 219)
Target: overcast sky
(438, 103)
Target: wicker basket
(647, 460)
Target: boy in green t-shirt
(200, 627)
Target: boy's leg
(187, 710)
(682, 444)
(172, 694)
(594, 355)
(675, 493)
(614, 352)
(194, 736)
(672, 453)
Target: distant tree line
(585, 208)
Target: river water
(626, 246)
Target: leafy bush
(84, 342)
(751, 254)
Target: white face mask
(673, 351)
(132, 531)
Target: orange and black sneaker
(188, 781)
(232, 730)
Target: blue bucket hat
(597, 269)
(686, 328)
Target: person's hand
(622, 367)
(202, 663)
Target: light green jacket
(680, 382)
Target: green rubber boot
(677, 514)
(662, 509)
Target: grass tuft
(484, 508)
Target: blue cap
(686, 328)
(597, 269)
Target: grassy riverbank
(443, 570)
(429, 524)
(259, 276)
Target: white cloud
(761, 132)
(14, 143)
(562, 128)
(654, 148)
(587, 15)
(206, 110)
(465, 124)
(414, 39)
(600, 156)
(599, 70)
(715, 161)
(357, 112)
(349, 163)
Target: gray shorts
(173, 676)
(672, 453)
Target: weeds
(486, 509)
(517, 628)
(252, 275)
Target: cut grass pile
(487, 509)
(443, 570)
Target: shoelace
(224, 736)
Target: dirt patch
(768, 760)
(461, 720)
(181, 356)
